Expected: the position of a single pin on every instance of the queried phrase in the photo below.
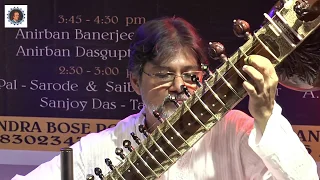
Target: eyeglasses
(165, 77)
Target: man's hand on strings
(262, 88)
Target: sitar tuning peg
(195, 79)
(127, 144)
(109, 163)
(98, 172)
(173, 99)
(143, 130)
(205, 68)
(135, 138)
(302, 8)
(119, 152)
(89, 177)
(217, 50)
(185, 90)
(157, 115)
(241, 29)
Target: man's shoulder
(99, 145)
(110, 135)
(127, 123)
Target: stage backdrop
(63, 71)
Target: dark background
(213, 19)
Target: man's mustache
(172, 98)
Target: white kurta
(233, 150)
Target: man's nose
(176, 84)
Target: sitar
(293, 23)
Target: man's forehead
(169, 66)
(177, 59)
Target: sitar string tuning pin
(185, 90)
(206, 70)
(157, 115)
(127, 144)
(89, 177)
(98, 172)
(143, 130)
(135, 138)
(119, 152)
(195, 79)
(109, 163)
(173, 99)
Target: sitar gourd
(286, 30)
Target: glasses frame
(155, 75)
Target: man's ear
(134, 80)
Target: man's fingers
(262, 64)
(250, 89)
(256, 76)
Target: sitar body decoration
(300, 70)
(219, 92)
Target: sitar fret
(146, 164)
(277, 28)
(236, 69)
(177, 133)
(167, 141)
(153, 158)
(137, 170)
(228, 84)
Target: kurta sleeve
(281, 150)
